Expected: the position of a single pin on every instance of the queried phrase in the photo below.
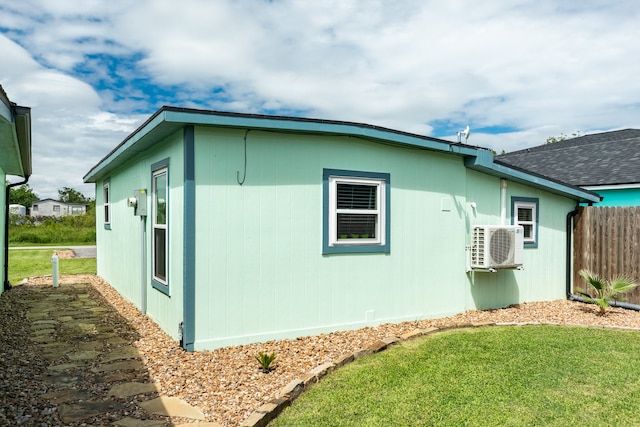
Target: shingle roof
(607, 158)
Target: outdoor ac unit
(497, 246)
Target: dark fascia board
(486, 164)
(168, 120)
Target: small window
(107, 204)
(356, 211)
(525, 213)
(160, 226)
(35, 208)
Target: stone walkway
(94, 374)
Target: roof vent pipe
(503, 202)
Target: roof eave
(15, 138)
(485, 163)
(169, 119)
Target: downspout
(503, 202)
(568, 255)
(7, 284)
(570, 296)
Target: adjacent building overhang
(15, 137)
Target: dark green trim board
(326, 248)
(164, 163)
(189, 241)
(535, 201)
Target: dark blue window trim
(326, 248)
(189, 242)
(535, 201)
(107, 181)
(164, 288)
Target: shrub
(265, 360)
(604, 290)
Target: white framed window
(160, 252)
(106, 195)
(356, 211)
(525, 213)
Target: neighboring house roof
(168, 120)
(15, 137)
(607, 158)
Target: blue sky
(515, 71)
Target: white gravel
(226, 384)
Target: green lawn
(492, 376)
(27, 263)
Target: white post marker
(54, 262)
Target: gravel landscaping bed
(226, 384)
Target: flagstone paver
(83, 355)
(92, 373)
(172, 406)
(132, 389)
(134, 422)
(85, 409)
(66, 395)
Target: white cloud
(70, 132)
(540, 67)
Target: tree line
(24, 195)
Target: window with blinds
(525, 213)
(356, 211)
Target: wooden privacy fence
(606, 241)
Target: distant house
(15, 160)
(604, 162)
(50, 207)
(231, 228)
(18, 210)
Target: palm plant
(265, 360)
(605, 290)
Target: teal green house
(231, 228)
(15, 160)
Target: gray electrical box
(141, 202)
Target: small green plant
(604, 290)
(265, 360)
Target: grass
(494, 376)
(57, 245)
(37, 262)
(67, 230)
